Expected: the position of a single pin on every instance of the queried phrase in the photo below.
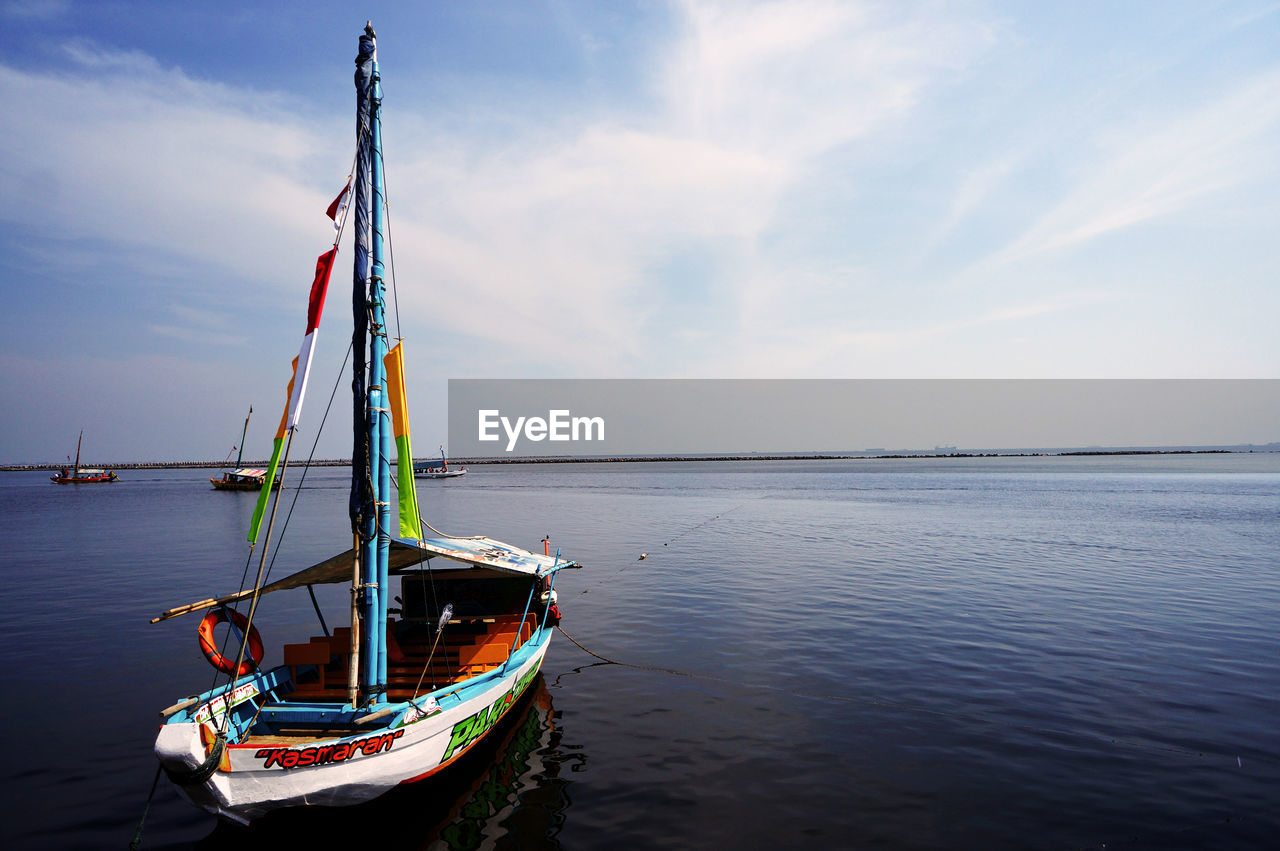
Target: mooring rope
(644, 555)
(455, 537)
(137, 834)
(869, 700)
(609, 661)
(711, 519)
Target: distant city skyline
(759, 190)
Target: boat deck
(469, 647)
(295, 738)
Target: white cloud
(191, 333)
(549, 236)
(796, 79)
(841, 345)
(532, 252)
(36, 9)
(137, 155)
(558, 230)
(1161, 169)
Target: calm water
(1046, 653)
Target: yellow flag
(410, 525)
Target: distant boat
(82, 475)
(438, 471)
(444, 636)
(243, 478)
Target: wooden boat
(78, 475)
(402, 691)
(242, 478)
(438, 471)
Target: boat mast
(371, 498)
(242, 436)
(384, 435)
(78, 439)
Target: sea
(1061, 652)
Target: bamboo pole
(353, 666)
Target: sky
(652, 189)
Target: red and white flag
(320, 285)
(339, 206)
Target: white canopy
(405, 553)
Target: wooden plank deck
(475, 646)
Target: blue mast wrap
(367, 500)
(382, 431)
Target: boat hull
(221, 485)
(258, 777)
(83, 480)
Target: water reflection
(509, 790)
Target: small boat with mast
(402, 690)
(78, 475)
(433, 470)
(242, 478)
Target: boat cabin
(489, 623)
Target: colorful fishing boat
(242, 478)
(77, 475)
(401, 691)
(441, 470)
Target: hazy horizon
(213, 463)
(795, 189)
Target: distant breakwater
(635, 459)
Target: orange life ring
(209, 647)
